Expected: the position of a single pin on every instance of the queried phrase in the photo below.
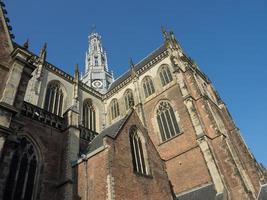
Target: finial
(26, 44)
(131, 63)
(45, 46)
(76, 72)
(76, 68)
(164, 32)
(42, 54)
(133, 73)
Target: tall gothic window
(165, 75)
(89, 117)
(167, 122)
(148, 86)
(128, 99)
(114, 109)
(137, 149)
(22, 181)
(54, 98)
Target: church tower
(96, 74)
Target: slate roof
(138, 66)
(110, 131)
(206, 192)
(263, 193)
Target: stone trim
(87, 156)
(139, 72)
(204, 146)
(43, 116)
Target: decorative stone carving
(42, 116)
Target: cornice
(139, 72)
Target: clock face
(97, 84)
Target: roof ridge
(137, 66)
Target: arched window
(165, 75)
(22, 180)
(96, 61)
(137, 149)
(128, 99)
(148, 86)
(114, 109)
(167, 122)
(54, 98)
(89, 118)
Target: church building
(159, 131)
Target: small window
(140, 165)
(128, 99)
(148, 86)
(165, 75)
(114, 109)
(167, 123)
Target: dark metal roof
(206, 192)
(110, 131)
(263, 193)
(138, 66)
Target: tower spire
(97, 73)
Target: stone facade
(189, 144)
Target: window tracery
(54, 98)
(89, 115)
(114, 109)
(22, 178)
(137, 150)
(128, 99)
(165, 75)
(167, 122)
(148, 86)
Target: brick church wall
(129, 185)
(49, 141)
(110, 172)
(181, 153)
(91, 177)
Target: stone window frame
(114, 109)
(58, 101)
(165, 75)
(148, 86)
(139, 154)
(128, 99)
(21, 152)
(89, 114)
(176, 117)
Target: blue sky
(227, 39)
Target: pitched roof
(206, 192)
(263, 192)
(110, 131)
(138, 66)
